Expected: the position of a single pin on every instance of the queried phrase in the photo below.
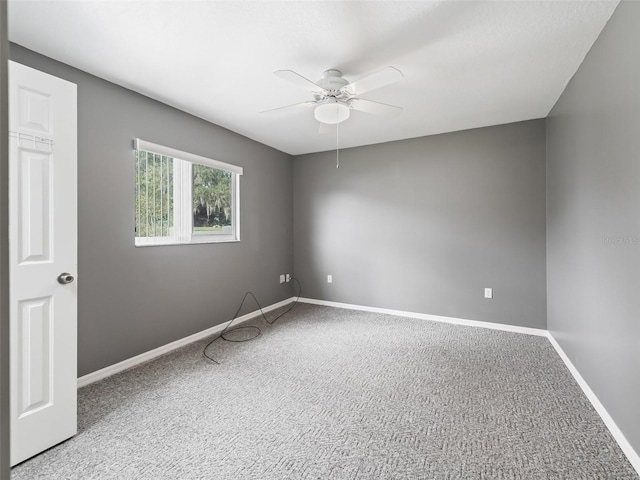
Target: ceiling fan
(334, 97)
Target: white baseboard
(625, 446)
(434, 318)
(156, 352)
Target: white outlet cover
(281, 278)
(329, 278)
(488, 293)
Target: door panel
(34, 201)
(42, 245)
(34, 355)
(35, 111)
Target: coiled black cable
(228, 328)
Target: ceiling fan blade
(375, 80)
(375, 108)
(298, 80)
(290, 107)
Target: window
(184, 198)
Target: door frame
(4, 246)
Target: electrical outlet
(282, 279)
(288, 277)
(329, 278)
(488, 293)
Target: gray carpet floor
(336, 394)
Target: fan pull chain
(337, 146)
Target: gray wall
(4, 250)
(132, 300)
(423, 225)
(593, 211)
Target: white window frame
(183, 198)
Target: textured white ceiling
(466, 64)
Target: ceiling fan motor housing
(332, 83)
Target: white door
(42, 245)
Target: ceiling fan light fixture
(332, 112)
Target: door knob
(65, 278)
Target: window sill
(199, 240)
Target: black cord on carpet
(228, 328)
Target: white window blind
(189, 157)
